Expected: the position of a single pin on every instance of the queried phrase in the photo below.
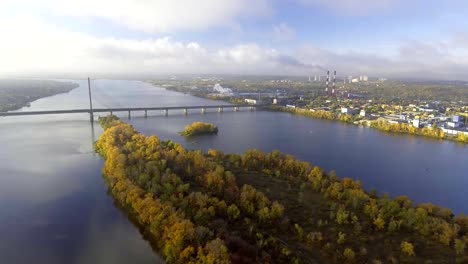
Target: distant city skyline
(386, 38)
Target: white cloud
(416, 59)
(160, 16)
(354, 7)
(283, 32)
(33, 47)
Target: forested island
(199, 128)
(17, 93)
(260, 207)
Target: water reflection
(55, 207)
(425, 170)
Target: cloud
(414, 59)
(283, 32)
(160, 16)
(353, 7)
(34, 47)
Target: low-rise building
(252, 101)
(348, 111)
(425, 109)
(454, 124)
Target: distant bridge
(91, 110)
(165, 110)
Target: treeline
(383, 125)
(199, 128)
(432, 132)
(319, 114)
(15, 94)
(266, 208)
(190, 204)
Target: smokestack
(328, 79)
(334, 80)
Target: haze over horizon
(388, 38)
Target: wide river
(54, 203)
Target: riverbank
(18, 93)
(381, 125)
(312, 217)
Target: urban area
(428, 108)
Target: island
(257, 207)
(199, 128)
(17, 93)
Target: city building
(252, 101)
(348, 111)
(453, 124)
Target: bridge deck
(104, 110)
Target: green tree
(407, 248)
(233, 212)
(459, 246)
(349, 255)
(341, 238)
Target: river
(55, 205)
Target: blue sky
(391, 38)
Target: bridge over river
(91, 110)
(165, 110)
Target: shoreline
(335, 118)
(350, 210)
(22, 100)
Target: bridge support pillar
(252, 108)
(236, 109)
(129, 116)
(146, 113)
(166, 112)
(220, 109)
(111, 112)
(185, 111)
(203, 110)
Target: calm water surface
(55, 208)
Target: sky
(380, 38)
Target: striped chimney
(328, 79)
(334, 80)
